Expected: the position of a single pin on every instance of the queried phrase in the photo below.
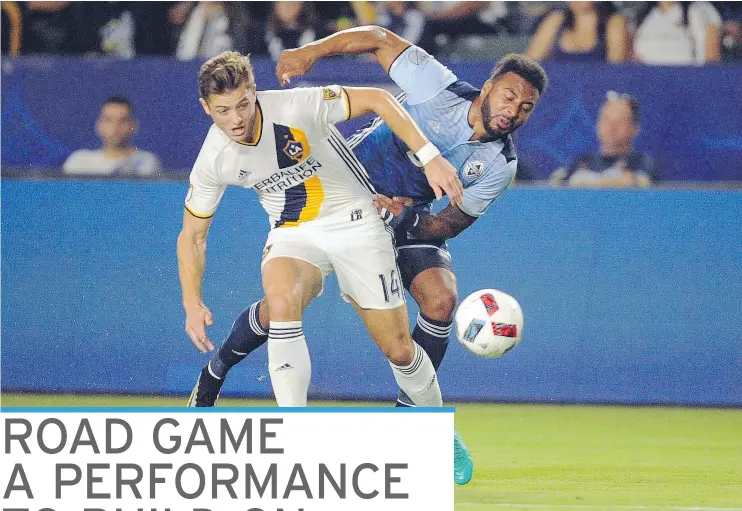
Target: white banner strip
(227, 459)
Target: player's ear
(487, 87)
(205, 106)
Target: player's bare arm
(191, 264)
(384, 44)
(441, 175)
(449, 223)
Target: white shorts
(360, 251)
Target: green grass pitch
(582, 458)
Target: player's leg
(249, 331)
(411, 366)
(289, 285)
(428, 274)
(368, 276)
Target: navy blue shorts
(416, 256)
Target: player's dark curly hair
(527, 68)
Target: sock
(246, 335)
(418, 380)
(288, 363)
(432, 336)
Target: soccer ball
(489, 323)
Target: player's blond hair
(224, 73)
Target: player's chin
(494, 132)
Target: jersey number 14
(393, 288)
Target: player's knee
(399, 348)
(441, 305)
(284, 304)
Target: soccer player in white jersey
(283, 145)
(471, 127)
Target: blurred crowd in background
(591, 142)
(663, 33)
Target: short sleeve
(420, 75)
(330, 104)
(205, 191)
(483, 192)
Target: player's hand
(292, 63)
(197, 318)
(397, 212)
(443, 178)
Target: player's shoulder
(457, 95)
(461, 89)
(215, 144)
(283, 97)
(499, 152)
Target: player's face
(233, 112)
(616, 127)
(115, 125)
(507, 104)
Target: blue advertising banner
(628, 296)
(49, 107)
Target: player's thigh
(434, 290)
(428, 274)
(293, 271)
(365, 262)
(390, 330)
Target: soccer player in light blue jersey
(471, 128)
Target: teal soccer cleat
(463, 467)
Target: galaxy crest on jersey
(300, 167)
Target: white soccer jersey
(300, 166)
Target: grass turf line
(580, 458)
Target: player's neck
(474, 118)
(256, 126)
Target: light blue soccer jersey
(439, 103)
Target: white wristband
(427, 153)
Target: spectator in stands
(448, 20)
(113, 29)
(336, 16)
(116, 128)
(678, 33)
(210, 28)
(617, 164)
(731, 35)
(585, 32)
(47, 27)
(290, 25)
(402, 18)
